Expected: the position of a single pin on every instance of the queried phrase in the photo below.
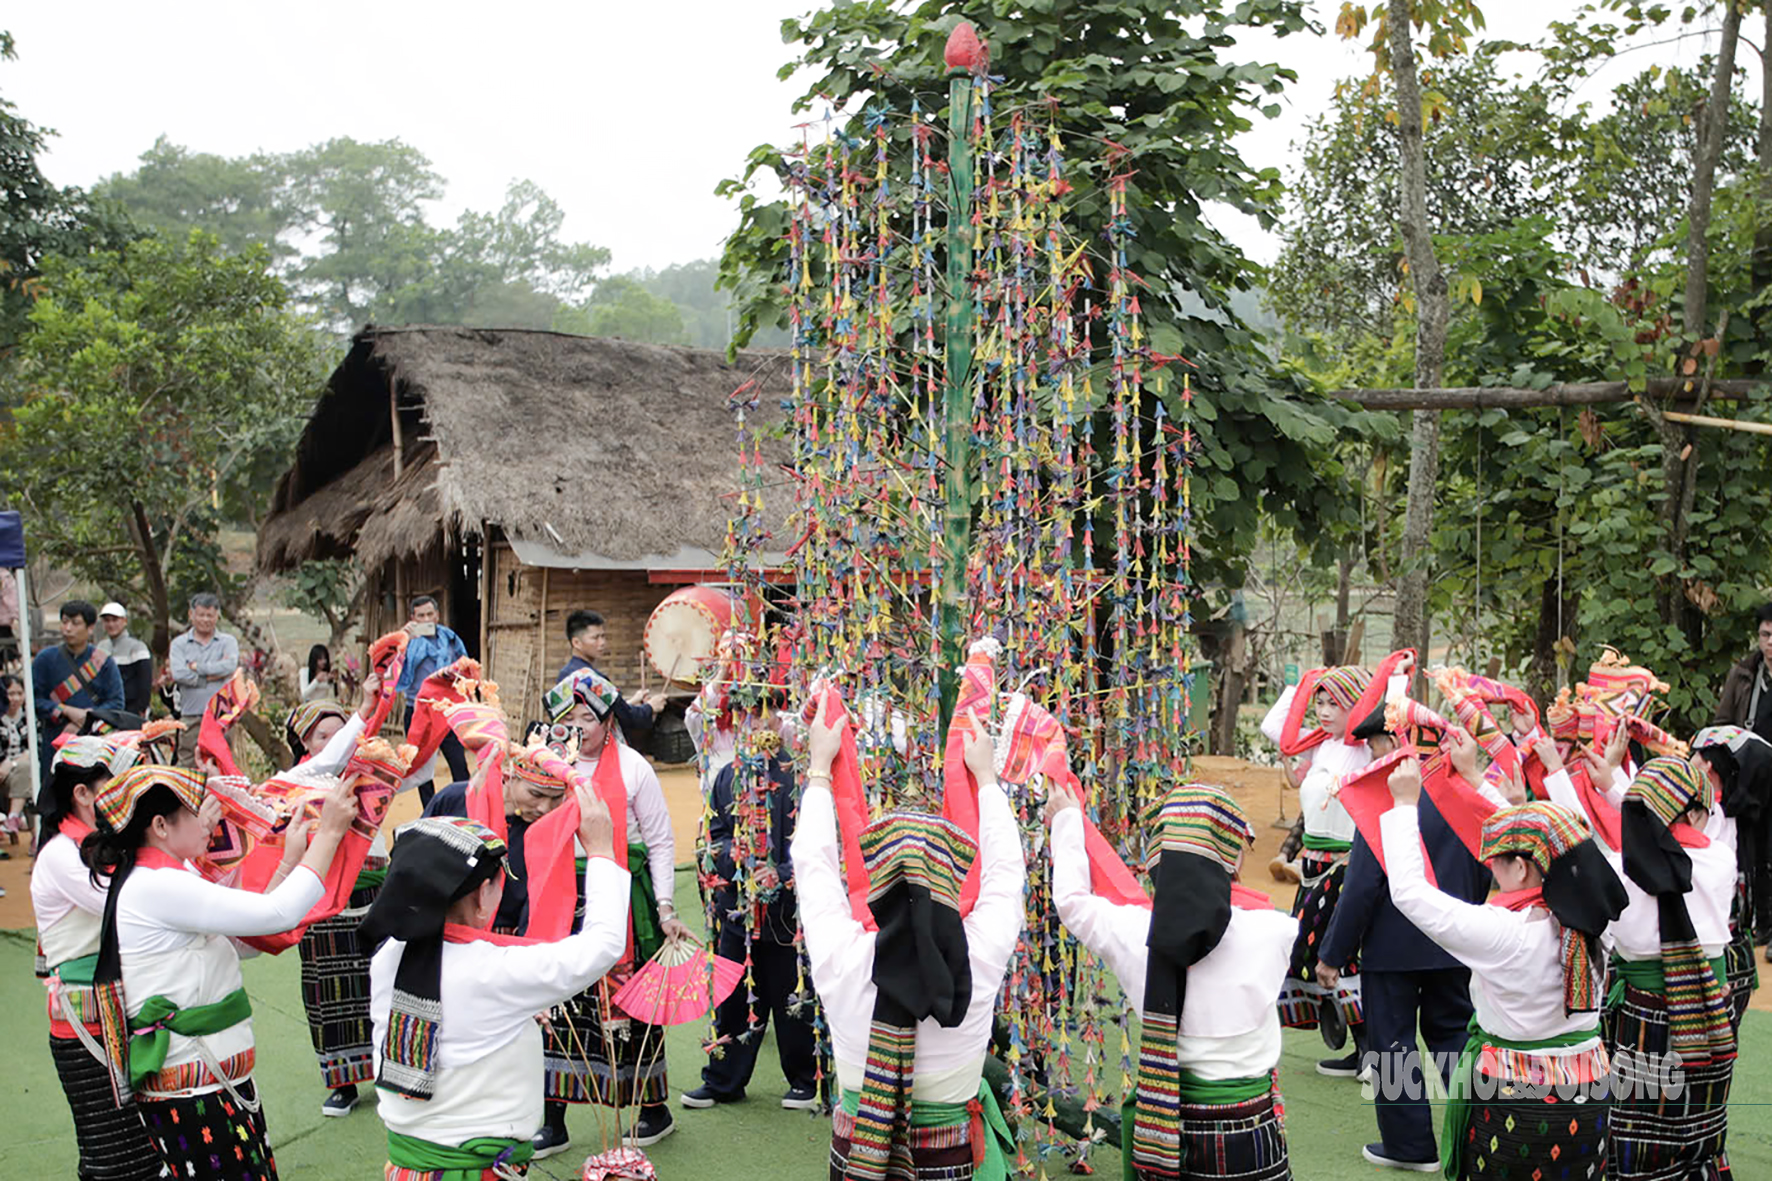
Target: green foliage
(37, 218)
(329, 590)
(1162, 81)
(159, 383)
(622, 307)
(344, 222)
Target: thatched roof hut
(520, 475)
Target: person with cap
(135, 664)
(910, 1005)
(176, 1017)
(70, 906)
(458, 1051)
(1204, 961)
(1670, 992)
(70, 679)
(1323, 859)
(334, 958)
(1739, 763)
(760, 928)
(1534, 1056)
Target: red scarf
(462, 933)
(74, 829)
(1520, 899)
(429, 727)
(1366, 795)
(149, 857)
(851, 802)
(547, 847)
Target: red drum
(684, 630)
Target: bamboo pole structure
(1586, 393)
(1733, 424)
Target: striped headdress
(586, 686)
(117, 803)
(1580, 890)
(540, 766)
(1199, 832)
(90, 751)
(435, 860)
(302, 720)
(915, 864)
(1698, 1013)
(1344, 684)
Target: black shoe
(705, 1096)
(654, 1125)
(340, 1102)
(800, 1099)
(1344, 1067)
(550, 1141)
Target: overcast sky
(627, 114)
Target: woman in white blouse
(177, 1020)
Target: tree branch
(1561, 394)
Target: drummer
(588, 637)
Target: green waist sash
(1646, 976)
(1194, 1089)
(998, 1140)
(466, 1163)
(642, 906)
(1458, 1095)
(1326, 844)
(151, 1029)
(78, 971)
(369, 879)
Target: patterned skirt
(1742, 970)
(1244, 1141)
(592, 1052)
(1658, 1135)
(1534, 1139)
(113, 1146)
(1301, 995)
(335, 993)
(210, 1137)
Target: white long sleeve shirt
(489, 1047)
(949, 1062)
(1515, 957)
(1230, 1025)
(1324, 815)
(1636, 934)
(69, 908)
(649, 818)
(173, 932)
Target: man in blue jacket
(72, 679)
(1405, 977)
(431, 647)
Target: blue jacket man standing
(430, 648)
(71, 679)
(1406, 979)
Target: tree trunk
(1679, 454)
(1761, 265)
(1541, 673)
(1233, 653)
(161, 604)
(1432, 310)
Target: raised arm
(838, 946)
(338, 750)
(996, 919)
(185, 902)
(1480, 937)
(534, 977)
(1111, 931)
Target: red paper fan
(672, 988)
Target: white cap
(114, 608)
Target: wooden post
(485, 597)
(394, 416)
(541, 647)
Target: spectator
(588, 638)
(135, 664)
(1746, 701)
(317, 683)
(432, 647)
(15, 755)
(202, 659)
(70, 679)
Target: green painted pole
(962, 55)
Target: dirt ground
(1270, 806)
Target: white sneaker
(1375, 1154)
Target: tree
(622, 307)
(1157, 81)
(158, 382)
(175, 190)
(37, 218)
(330, 590)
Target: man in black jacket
(1404, 977)
(588, 638)
(1746, 701)
(765, 927)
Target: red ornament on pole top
(963, 50)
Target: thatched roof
(614, 452)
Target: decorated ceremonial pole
(963, 56)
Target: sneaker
(705, 1096)
(550, 1141)
(1376, 1154)
(654, 1125)
(800, 1099)
(340, 1102)
(1344, 1067)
